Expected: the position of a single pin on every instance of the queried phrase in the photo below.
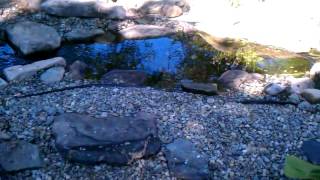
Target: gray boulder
(185, 162)
(125, 77)
(171, 11)
(83, 35)
(144, 31)
(52, 75)
(3, 83)
(19, 155)
(114, 140)
(233, 78)
(19, 72)
(83, 8)
(274, 89)
(200, 88)
(30, 37)
(311, 95)
(167, 8)
(31, 5)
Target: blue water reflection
(151, 55)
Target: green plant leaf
(297, 168)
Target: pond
(166, 58)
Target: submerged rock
(125, 77)
(311, 95)
(200, 88)
(311, 149)
(144, 31)
(274, 89)
(114, 140)
(83, 8)
(19, 155)
(77, 70)
(185, 162)
(52, 75)
(19, 72)
(83, 35)
(233, 78)
(30, 37)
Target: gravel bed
(242, 141)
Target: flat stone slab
(83, 35)
(19, 155)
(200, 88)
(30, 37)
(311, 149)
(17, 73)
(113, 140)
(145, 31)
(83, 8)
(185, 162)
(52, 75)
(311, 95)
(125, 77)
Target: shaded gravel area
(242, 141)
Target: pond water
(151, 55)
(166, 55)
(166, 58)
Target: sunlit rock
(144, 31)
(83, 8)
(274, 89)
(30, 37)
(19, 72)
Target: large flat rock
(19, 155)
(19, 72)
(114, 140)
(145, 31)
(31, 38)
(185, 162)
(83, 8)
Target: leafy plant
(300, 169)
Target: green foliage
(297, 168)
